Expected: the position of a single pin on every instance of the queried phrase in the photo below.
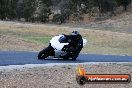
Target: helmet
(75, 33)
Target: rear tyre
(43, 54)
(49, 51)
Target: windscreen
(63, 39)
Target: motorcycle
(62, 47)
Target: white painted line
(11, 67)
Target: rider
(75, 43)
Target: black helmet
(75, 33)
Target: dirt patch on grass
(12, 43)
(60, 76)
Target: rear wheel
(49, 51)
(43, 54)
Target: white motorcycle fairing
(58, 46)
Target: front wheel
(72, 56)
(75, 56)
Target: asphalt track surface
(23, 57)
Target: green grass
(37, 39)
(28, 36)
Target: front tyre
(75, 56)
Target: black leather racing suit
(75, 44)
